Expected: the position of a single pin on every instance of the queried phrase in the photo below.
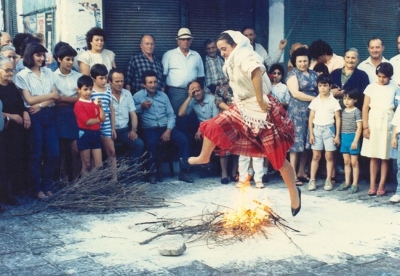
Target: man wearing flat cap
(181, 66)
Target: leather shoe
(185, 177)
(297, 210)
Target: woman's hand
(27, 120)
(264, 105)
(366, 133)
(16, 118)
(34, 109)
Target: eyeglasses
(8, 70)
(276, 73)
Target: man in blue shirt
(158, 122)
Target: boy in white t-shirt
(324, 115)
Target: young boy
(325, 110)
(99, 73)
(395, 144)
(89, 114)
(350, 137)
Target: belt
(178, 87)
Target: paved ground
(340, 234)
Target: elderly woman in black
(17, 121)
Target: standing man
(250, 33)
(142, 62)
(181, 66)
(158, 123)
(5, 39)
(375, 50)
(124, 110)
(212, 65)
(395, 61)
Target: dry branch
(213, 227)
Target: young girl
(279, 89)
(256, 124)
(350, 138)
(99, 73)
(377, 114)
(39, 93)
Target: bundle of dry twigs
(212, 226)
(96, 192)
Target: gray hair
(4, 60)
(5, 48)
(352, 49)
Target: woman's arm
(256, 79)
(32, 100)
(84, 68)
(293, 86)
(365, 111)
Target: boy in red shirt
(89, 114)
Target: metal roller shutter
(208, 18)
(125, 21)
(374, 19)
(309, 20)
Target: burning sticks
(220, 227)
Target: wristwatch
(40, 105)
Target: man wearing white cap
(181, 66)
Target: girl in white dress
(377, 113)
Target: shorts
(346, 139)
(323, 138)
(105, 127)
(89, 139)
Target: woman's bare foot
(198, 160)
(49, 193)
(41, 195)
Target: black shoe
(184, 164)
(185, 177)
(225, 180)
(297, 210)
(265, 178)
(152, 179)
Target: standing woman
(39, 93)
(302, 85)
(256, 124)
(350, 77)
(18, 121)
(96, 53)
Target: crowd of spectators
(65, 113)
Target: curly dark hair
(297, 53)
(91, 33)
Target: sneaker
(311, 185)
(354, 189)
(395, 198)
(185, 177)
(265, 178)
(260, 184)
(343, 187)
(328, 185)
(242, 184)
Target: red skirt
(230, 133)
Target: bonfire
(222, 226)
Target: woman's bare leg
(289, 176)
(206, 151)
